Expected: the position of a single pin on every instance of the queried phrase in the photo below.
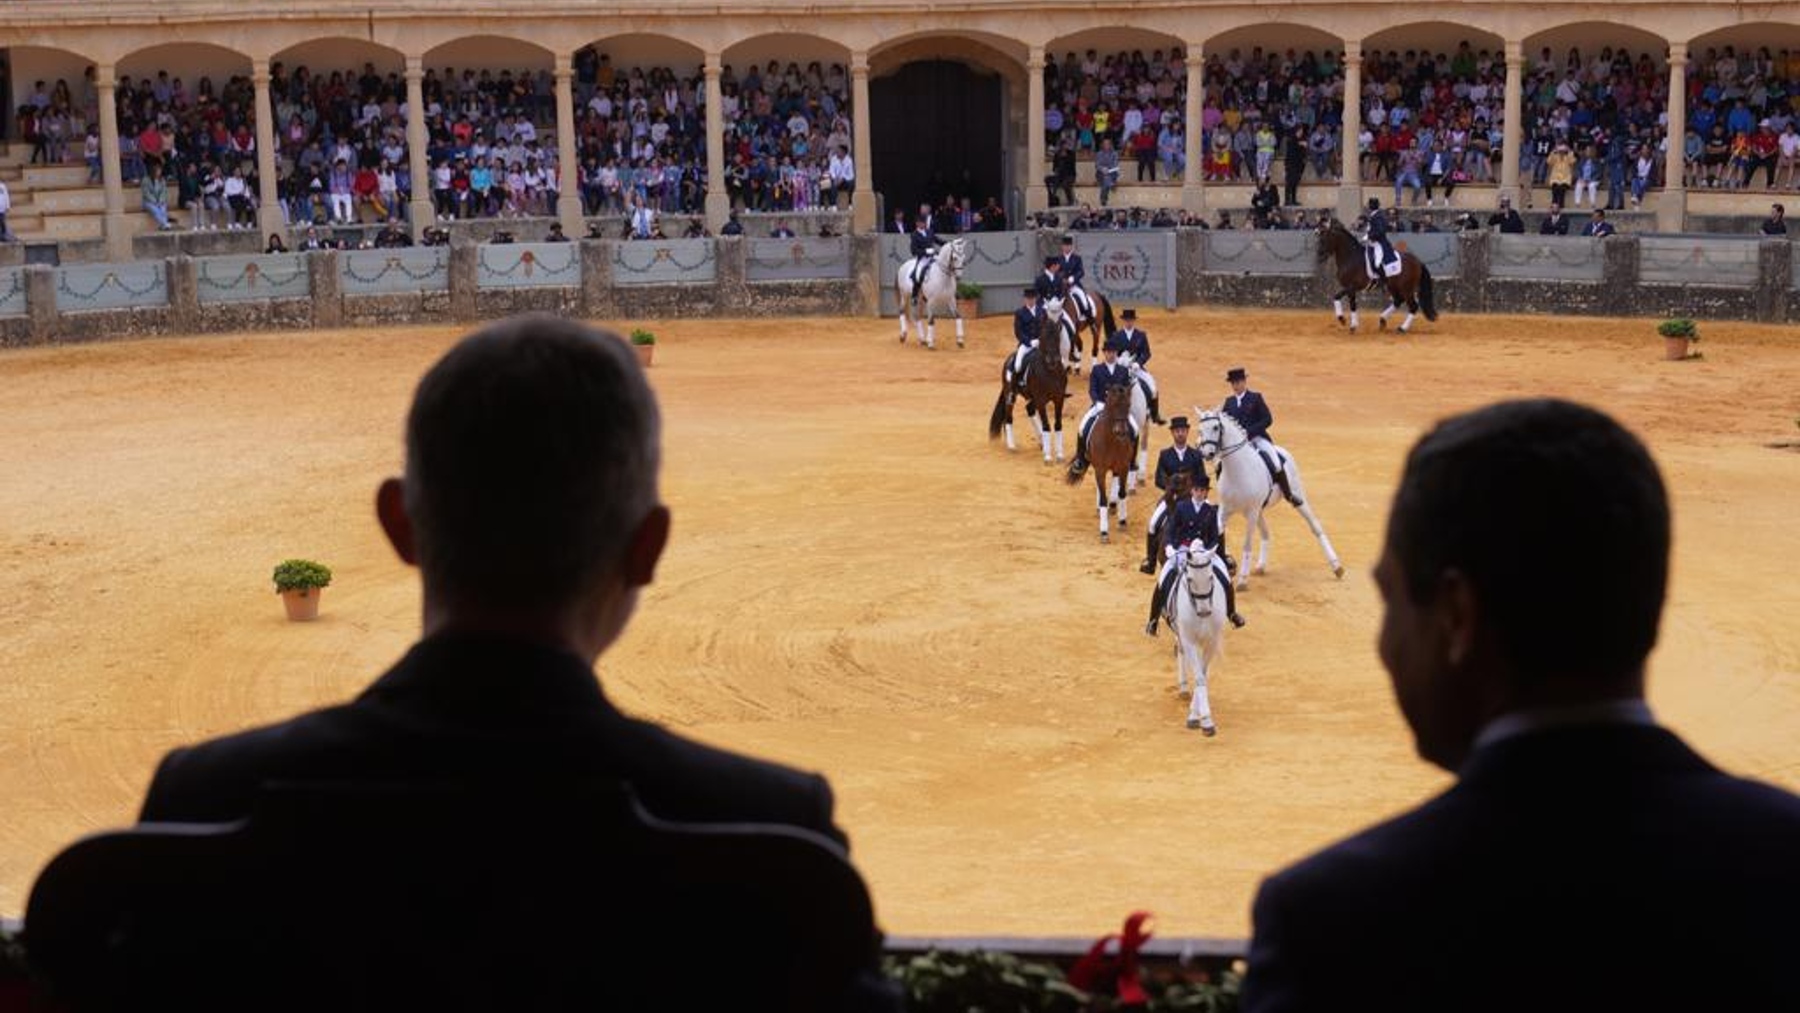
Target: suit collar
(1560, 756)
(489, 672)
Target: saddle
(1378, 270)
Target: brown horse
(1162, 522)
(1111, 448)
(1411, 286)
(1046, 386)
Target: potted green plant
(968, 299)
(300, 582)
(1678, 334)
(645, 343)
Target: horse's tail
(1425, 300)
(998, 419)
(1106, 314)
(1077, 468)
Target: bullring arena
(860, 582)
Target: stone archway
(942, 118)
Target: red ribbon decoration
(1099, 971)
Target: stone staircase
(54, 203)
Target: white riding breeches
(1147, 380)
(1093, 412)
(1156, 516)
(1018, 363)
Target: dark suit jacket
(1580, 868)
(1254, 415)
(465, 707)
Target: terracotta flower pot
(645, 353)
(1675, 349)
(968, 309)
(303, 604)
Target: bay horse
(937, 289)
(1196, 612)
(1411, 286)
(1247, 488)
(1156, 535)
(1110, 453)
(1091, 312)
(1046, 384)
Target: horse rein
(1221, 450)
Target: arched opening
(788, 116)
(67, 78)
(640, 124)
(1262, 84)
(1741, 80)
(1594, 91)
(940, 113)
(339, 97)
(1114, 87)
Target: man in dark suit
(530, 505)
(1252, 412)
(1554, 224)
(1585, 858)
(1137, 346)
(1174, 462)
(1196, 521)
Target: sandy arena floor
(861, 583)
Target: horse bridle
(1220, 450)
(1188, 586)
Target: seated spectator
(154, 193)
(529, 502)
(1532, 694)
(276, 244)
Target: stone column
(1193, 187)
(1671, 210)
(718, 198)
(1349, 202)
(862, 195)
(421, 212)
(568, 198)
(1037, 195)
(118, 235)
(268, 186)
(1513, 133)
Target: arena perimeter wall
(1704, 277)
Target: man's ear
(390, 509)
(1458, 615)
(646, 547)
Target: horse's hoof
(1208, 729)
(1259, 571)
(1103, 539)
(1382, 323)
(1353, 330)
(959, 342)
(1338, 571)
(1193, 723)
(1341, 321)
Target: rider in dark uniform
(1073, 272)
(1174, 461)
(1049, 284)
(1376, 225)
(1137, 345)
(925, 245)
(1252, 412)
(1196, 520)
(1107, 374)
(1028, 326)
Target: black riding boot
(1281, 479)
(1156, 411)
(1231, 611)
(1081, 462)
(1158, 600)
(1149, 565)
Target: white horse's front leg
(1044, 437)
(1059, 444)
(931, 333)
(1124, 505)
(1180, 661)
(1199, 705)
(1337, 309)
(1389, 311)
(1243, 574)
(903, 316)
(1406, 325)
(959, 330)
(1355, 320)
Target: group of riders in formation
(1185, 516)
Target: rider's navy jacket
(1104, 376)
(924, 241)
(1137, 345)
(1048, 287)
(1173, 461)
(1254, 415)
(1195, 522)
(1027, 322)
(1073, 273)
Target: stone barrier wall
(1705, 277)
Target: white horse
(1247, 488)
(1140, 417)
(937, 289)
(1196, 613)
